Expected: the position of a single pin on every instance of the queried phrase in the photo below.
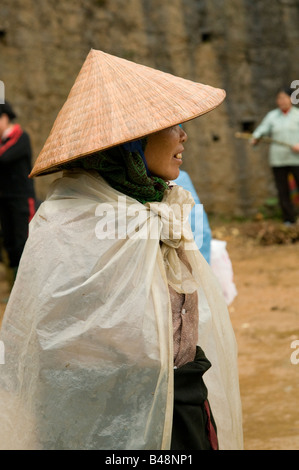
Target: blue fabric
(202, 235)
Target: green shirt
(282, 127)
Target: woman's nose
(184, 136)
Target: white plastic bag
(223, 270)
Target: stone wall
(247, 47)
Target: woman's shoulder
(274, 113)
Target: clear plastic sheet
(88, 335)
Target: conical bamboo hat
(113, 101)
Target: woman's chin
(176, 174)
(168, 175)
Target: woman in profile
(115, 317)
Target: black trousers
(284, 194)
(15, 214)
(194, 427)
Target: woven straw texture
(113, 101)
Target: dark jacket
(15, 166)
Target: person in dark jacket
(17, 195)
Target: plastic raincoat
(88, 328)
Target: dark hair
(6, 108)
(285, 89)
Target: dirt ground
(265, 317)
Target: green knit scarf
(125, 171)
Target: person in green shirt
(282, 124)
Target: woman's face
(163, 152)
(4, 123)
(283, 101)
